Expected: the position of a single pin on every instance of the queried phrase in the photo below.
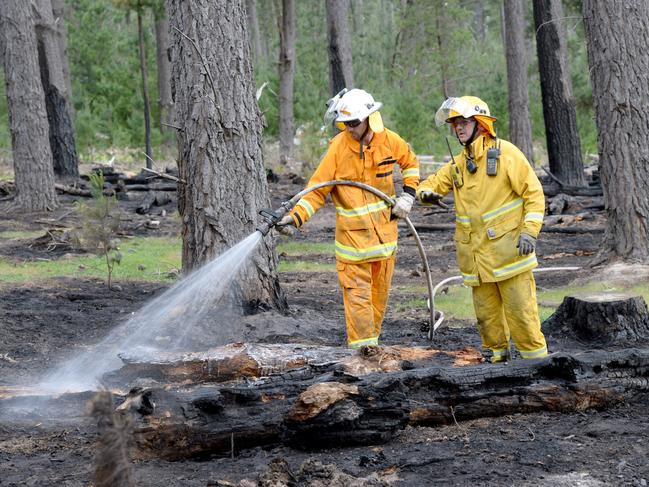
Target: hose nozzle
(271, 217)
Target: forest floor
(41, 322)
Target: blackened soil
(42, 323)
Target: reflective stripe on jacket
(364, 230)
(492, 211)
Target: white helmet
(351, 105)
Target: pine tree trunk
(57, 98)
(286, 77)
(32, 154)
(219, 141)
(479, 20)
(253, 28)
(564, 150)
(58, 10)
(165, 102)
(520, 126)
(145, 92)
(619, 73)
(341, 73)
(441, 19)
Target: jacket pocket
(503, 238)
(344, 279)
(463, 251)
(501, 228)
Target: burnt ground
(41, 323)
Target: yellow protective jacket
(491, 211)
(364, 229)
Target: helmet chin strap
(360, 154)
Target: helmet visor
(453, 107)
(333, 105)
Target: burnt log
(324, 403)
(602, 319)
(151, 200)
(151, 187)
(554, 190)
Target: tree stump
(602, 318)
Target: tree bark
(341, 73)
(255, 34)
(32, 154)
(602, 319)
(219, 142)
(564, 150)
(165, 102)
(448, 83)
(479, 20)
(145, 91)
(286, 76)
(619, 73)
(58, 10)
(57, 98)
(520, 126)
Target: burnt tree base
(602, 319)
(329, 404)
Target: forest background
(396, 57)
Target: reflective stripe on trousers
(509, 308)
(365, 288)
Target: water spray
(272, 217)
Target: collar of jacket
(479, 146)
(354, 145)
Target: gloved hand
(526, 244)
(403, 205)
(285, 220)
(286, 226)
(429, 197)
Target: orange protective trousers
(365, 287)
(509, 308)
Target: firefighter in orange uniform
(366, 230)
(499, 207)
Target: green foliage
(106, 82)
(100, 224)
(396, 53)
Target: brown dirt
(42, 323)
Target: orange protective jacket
(365, 231)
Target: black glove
(429, 197)
(526, 244)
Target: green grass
(458, 304)
(306, 266)
(143, 259)
(293, 248)
(16, 234)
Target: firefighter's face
(356, 128)
(463, 127)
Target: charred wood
(333, 405)
(602, 319)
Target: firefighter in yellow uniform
(366, 230)
(499, 207)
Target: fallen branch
(163, 175)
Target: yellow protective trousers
(508, 308)
(365, 288)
